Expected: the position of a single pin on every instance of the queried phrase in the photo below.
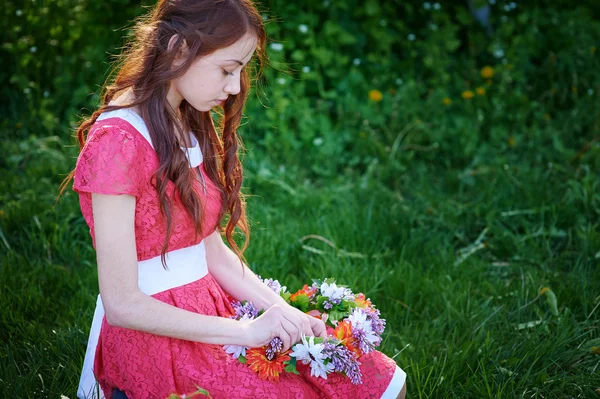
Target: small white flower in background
(492, 2)
(382, 22)
(276, 46)
(303, 28)
(33, 49)
(411, 37)
(427, 5)
(27, 90)
(332, 291)
(498, 53)
(590, 92)
(356, 61)
(318, 141)
(281, 81)
(325, 3)
(264, 17)
(399, 81)
(437, 6)
(46, 94)
(433, 27)
(306, 69)
(18, 13)
(310, 353)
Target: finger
(318, 328)
(295, 327)
(290, 331)
(285, 338)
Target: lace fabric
(117, 159)
(148, 366)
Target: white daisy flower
(236, 350)
(336, 293)
(310, 353)
(359, 321)
(320, 369)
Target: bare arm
(226, 268)
(125, 305)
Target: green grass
(455, 260)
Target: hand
(317, 324)
(281, 321)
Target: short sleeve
(109, 162)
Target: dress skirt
(144, 365)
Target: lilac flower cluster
(343, 360)
(361, 337)
(377, 323)
(274, 347)
(244, 310)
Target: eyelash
(227, 73)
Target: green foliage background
(451, 212)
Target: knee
(402, 393)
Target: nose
(233, 85)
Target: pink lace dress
(118, 158)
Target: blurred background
(441, 157)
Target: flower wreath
(356, 323)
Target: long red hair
(145, 66)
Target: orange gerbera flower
(267, 369)
(306, 290)
(361, 301)
(343, 332)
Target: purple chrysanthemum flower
(274, 347)
(327, 305)
(246, 309)
(343, 360)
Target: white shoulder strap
(132, 117)
(194, 155)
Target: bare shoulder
(127, 97)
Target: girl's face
(212, 78)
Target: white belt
(185, 265)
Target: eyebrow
(238, 61)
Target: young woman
(156, 180)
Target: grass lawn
(488, 276)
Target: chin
(201, 107)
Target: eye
(227, 73)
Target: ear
(183, 48)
